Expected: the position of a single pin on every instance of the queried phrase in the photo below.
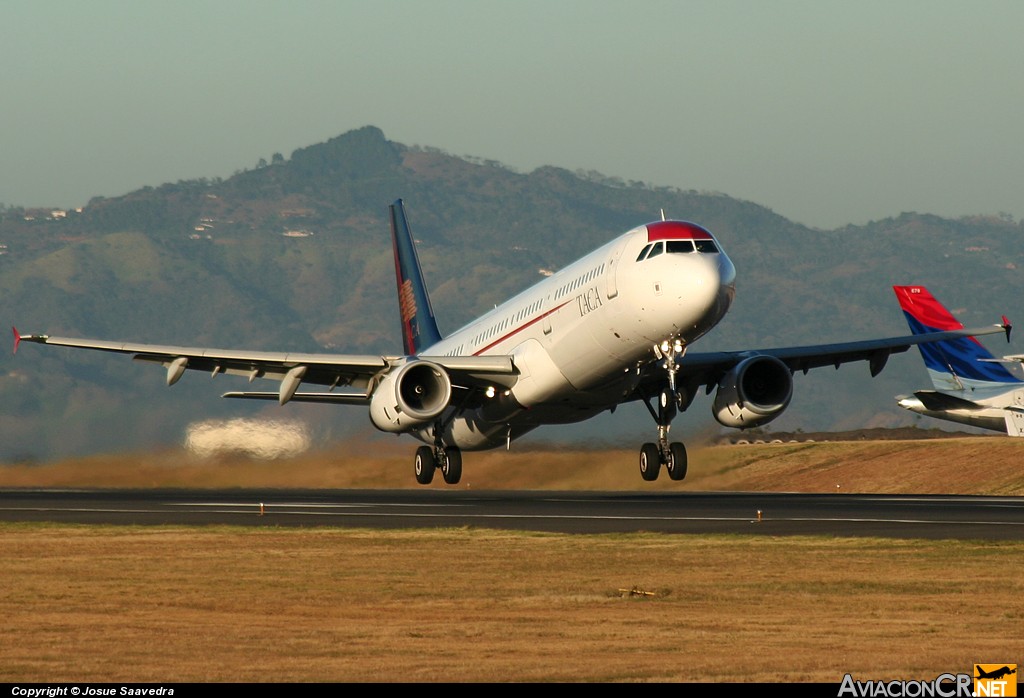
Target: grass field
(170, 604)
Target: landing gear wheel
(676, 461)
(668, 406)
(650, 462)
(424, 465)
(451, 465)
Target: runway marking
(308, 506)
(472, 512)
(84, 510)
(383, 510)
(283, 510)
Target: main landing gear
(448, 460)
(672, 455)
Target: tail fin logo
(407, 301)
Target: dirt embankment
(870, 461)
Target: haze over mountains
(295, 255)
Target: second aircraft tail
(955, 364)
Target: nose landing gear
(672, 455)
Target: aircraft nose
(679, 292)
(726, 278)
(707, 292)
(711, 281)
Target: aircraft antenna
(662, 214)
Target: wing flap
(159, 352)
(358, 371)
(319, 369)
(331, 398)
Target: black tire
(650, 462)
(451, 468)
(677, 461)
(667, 406)
(424, 465)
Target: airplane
(995, 674)
(971, 387)
(613, 327)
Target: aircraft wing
(358, 373)
(708, 368)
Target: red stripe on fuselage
(522, 327)
(676, 230)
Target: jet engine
(409, 397)
(754, 392)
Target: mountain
(295, 255)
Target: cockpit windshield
(676, 247)
(679, 245)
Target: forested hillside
(294, 254)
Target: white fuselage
(998, 409)
(578, 336)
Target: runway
(770, 514)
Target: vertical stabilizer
(955, 364)
(419, 329)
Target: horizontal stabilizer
(938, 402)
(1009, 359)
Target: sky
(827, 112)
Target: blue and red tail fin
(955, 363)
(419, 329)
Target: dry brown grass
(167, 604)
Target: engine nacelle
(411, 396)
(753, 393)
